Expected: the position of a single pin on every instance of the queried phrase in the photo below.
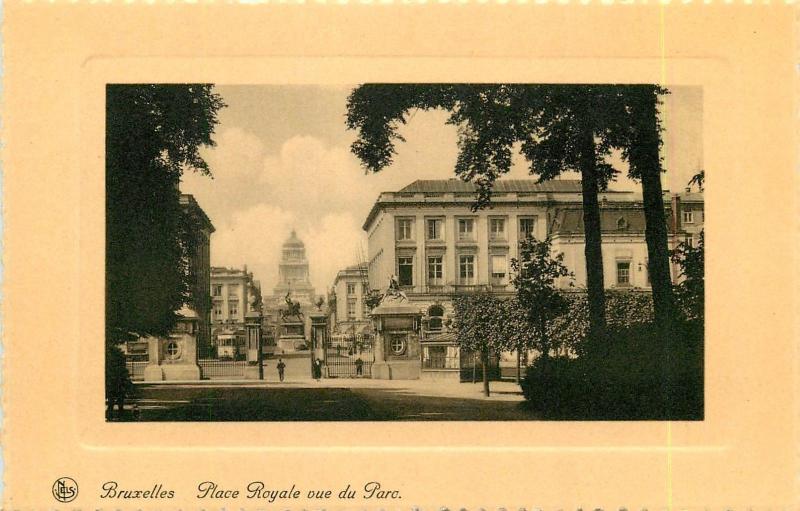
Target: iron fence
(349, 355)
(136, 369)
(226, 369)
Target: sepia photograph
(404, 252)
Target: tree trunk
(593, 248)
(519, 365)
(485, 359)
(646, 163)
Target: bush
(118, 381)
(638, 378)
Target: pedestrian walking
(317, 369)
(359, 367)
(281, 368)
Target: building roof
(692, 197)
(435, 190)
(613, 220)
(500, 186)
(356, 270)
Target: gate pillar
(175, 358)
(255, 366)
(319, 335)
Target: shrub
(637, 378)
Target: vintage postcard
(287, 256)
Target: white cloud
(253, 237)
(332, 244)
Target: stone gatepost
(255, 369)
(397, 348)
(175, 358)
(319, 335)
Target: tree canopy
(559, 127)
(153, 134)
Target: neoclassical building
(200, 263)
(427, 236)
(293, 275)
(349, 313)
(234, 291)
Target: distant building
(293, 275)
(689, 215)
(233, 293)
(200, 269)
(350, 314)
(290, 334)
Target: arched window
(621, 223)
(435, 313)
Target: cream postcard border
(57, 68)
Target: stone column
(255, 369)
(319, 333)
(153, 370)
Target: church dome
(293, 241)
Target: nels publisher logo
(65, 489)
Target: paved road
(329, 400)
(297, 369)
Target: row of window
(434, 228)
(233, 309)
(233, 289)
(467, 263)
(352, 306)
(351, 288)
(498, 270)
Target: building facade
(234, 293)
(200, 269)
(293, 273)
(427, 236)
(349, 312)
(689, 215)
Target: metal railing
(136, 369)
(227, 369)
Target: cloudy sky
(282, 162)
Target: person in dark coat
(317, 369)
(281, 367)
(359, 367)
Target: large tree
(573, 128)
(640, 145)
(561, 128)
(153, 134)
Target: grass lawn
(240, 403)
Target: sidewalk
(499, 390)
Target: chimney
(688, 189)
